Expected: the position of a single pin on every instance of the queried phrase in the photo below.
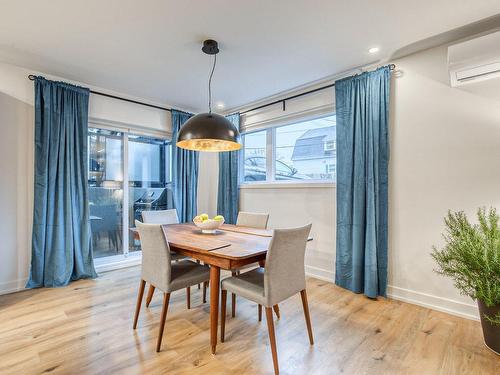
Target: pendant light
(209, 131)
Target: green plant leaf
(471, 256)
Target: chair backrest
(252, 220)
(161, 217)
(284, 274)
(155, 255)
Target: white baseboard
(319, 273)
(8, 287)
(461, 309)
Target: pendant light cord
(210, 85)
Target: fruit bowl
(208, 226)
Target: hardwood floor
(86, 328)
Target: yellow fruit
(219, 218)
(204, 216)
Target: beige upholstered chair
(163, 217)
(160, 217)
(251, 220)
(167, 217)
(158, 270)
(283, 276)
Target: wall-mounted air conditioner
(474, 60)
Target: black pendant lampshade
(209, 131)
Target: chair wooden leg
(272, 338)
(164, 309)
(233, 299)
(188, 297)
(305, 305)
(223, 314)
(139, 302)
(205, 285)
(150, 294)
(276, 309)
(260, 313)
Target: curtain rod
(31, 77)
(391, 67)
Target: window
(300, 152)
(254, 168)
(114, 206)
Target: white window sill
(288, 185)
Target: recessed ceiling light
(220, 105)
(373, 50)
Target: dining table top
(230, 241)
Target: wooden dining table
(230, 248)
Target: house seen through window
(304, 151)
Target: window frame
(271, 181)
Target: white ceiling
(151, 48)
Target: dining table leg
(214, 305)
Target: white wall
(16, 162)
(208, 176)
(16, 190)
(445, 153)
(295, 206)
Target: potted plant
(471, 257)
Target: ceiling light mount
(210, 47)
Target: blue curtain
(184, 172)
(362, 108)
(228, 194)
(61, 244)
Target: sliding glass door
(149, 179)
(128, 173)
